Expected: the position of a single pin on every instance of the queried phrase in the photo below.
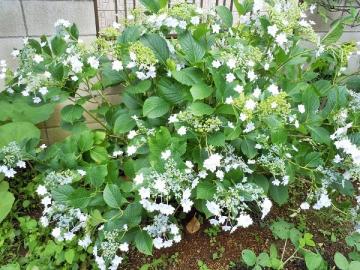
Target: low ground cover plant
(216, 118)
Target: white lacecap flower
(216, 64)
(117, 65)
(305, 206)
(173, 119)
(212, 162)
(139, 179)
(93, 62)
(41, 190)
(213, 208)
(182, 131)
(131, 150)
(230, 77)
(239, 88)
(273, 89)
(165, 154)
(244, 220)
(272, 30)
(132, 134)
(301, 108)
(124, 247)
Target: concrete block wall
(32, 18)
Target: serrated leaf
(112, 196)
(193, 51)
(200, 91)
(155, 107)
(143, 242)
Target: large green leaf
(201, 91)
(6, 200)
(225, 15)
(80, 198)
(20, 110)
(154, 5)
(143, 242)
(193, 51)
(58, 45)
(334, 33)
(155, 107)
(18, 131)
(124, 123)
(130, 34)
(158, 45)
(320, 134)
(139, 88)
(172, 91)
(95, 174)
(112, 196)
(280, 194)
(200, 108)
(111, 77)
(72, 113)
(205, 190)
(188, 76)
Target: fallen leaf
(193, 226)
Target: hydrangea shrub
(216, 117)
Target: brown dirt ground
(257, 237)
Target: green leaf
(280, 194)
(205, 190)
(154, 5)
(124, 123)
(172, 91)
(194, 52)
(225, 15)
(12, 266)
(72, 113)
(155, 107)
(334, 33)
(311, 100)
(249, 257)
(58, 45)
(112, 196)
(201, 91)
(313, 261)
(281, 229)
(111, 77)
(6, 200)
(263, 260)
(188, 76)
(130, 34)
(69, 255)
(248, 148)
(80, 198)
(99, 154)
(354, 265)
(341, 261)
(139, 88)
(85, 141)
(18, 132)
(217, 139)
(143, 242)
(95, 174)
(200, 109)
(158, 46)
(320, 134)
(313, 159)
(20, 110)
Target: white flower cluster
(158, 189)
(37, 84)
(230, 205)
(225, 162)
(275, 161)
(109, 247)
(68, 220)
(11, 157)
(163, 232)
